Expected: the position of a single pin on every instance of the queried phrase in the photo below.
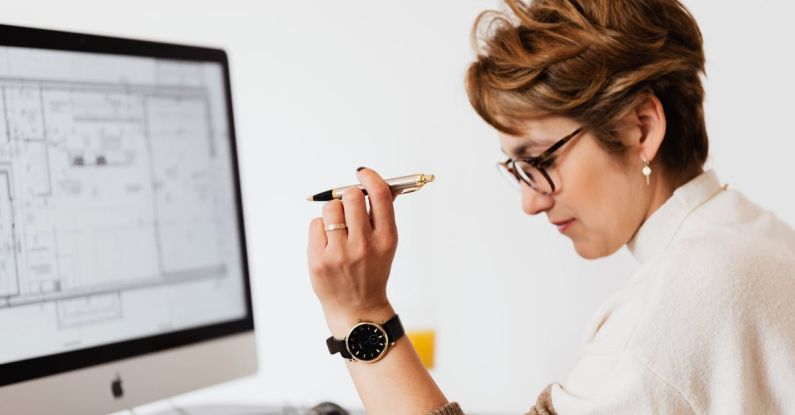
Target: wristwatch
(367, 341)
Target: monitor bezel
(35, 38)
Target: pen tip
(310, 198)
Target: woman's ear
(650, 117)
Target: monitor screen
(120, 215)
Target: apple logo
(116, 388)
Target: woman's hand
(349, 270)
(349, 267)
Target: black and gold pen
(400, 185)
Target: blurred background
(322, 87)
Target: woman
(598, 104)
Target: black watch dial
(366, 342)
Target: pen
(401, 185)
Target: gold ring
(336, 226)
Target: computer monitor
(123, 271)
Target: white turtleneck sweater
(705, 326)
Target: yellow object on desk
(424, 342)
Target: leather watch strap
(393, 328)
(336, 345)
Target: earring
(646, 170)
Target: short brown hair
(591, 60)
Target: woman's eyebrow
(521, 150)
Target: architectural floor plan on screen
(117, 204)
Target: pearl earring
(646, 170)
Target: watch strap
(393, 328)
(338, 346)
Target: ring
(336, 226)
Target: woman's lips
(563, 225)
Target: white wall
(322, 87)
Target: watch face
(367, 342)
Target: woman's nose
(533, 202)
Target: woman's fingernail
(360, 169)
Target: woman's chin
(590, 250)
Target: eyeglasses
(532, 170)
